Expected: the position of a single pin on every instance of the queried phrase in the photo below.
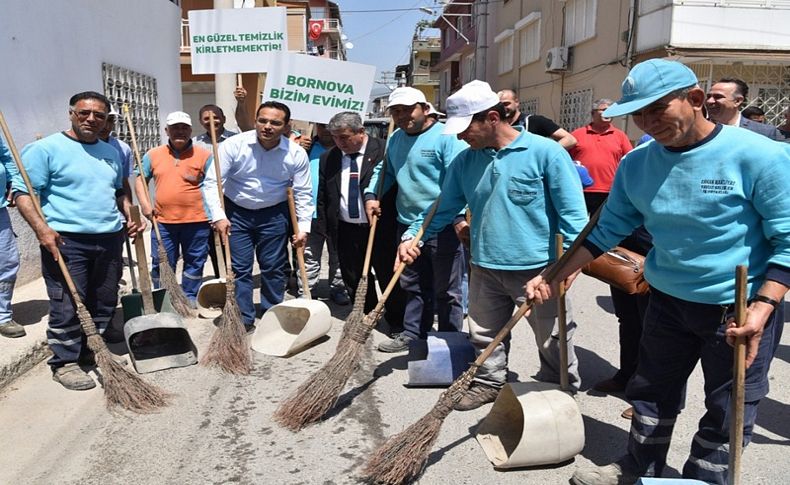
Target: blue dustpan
(440, 359)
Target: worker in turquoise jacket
(713, 197)
(521, 189)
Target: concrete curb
(22, 361)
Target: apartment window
(529, 38)
(504, 43)
(575, 109)
(124, 86)
(580, 20)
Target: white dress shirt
(256, 178)
(345, 175)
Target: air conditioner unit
(557, 59)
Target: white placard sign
(236, 39)
(317, 88)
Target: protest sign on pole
(317, 88)
(236, 40)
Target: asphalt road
(219, 428)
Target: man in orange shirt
(599, 147)
(178, 169)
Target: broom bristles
(320, 392)
(167, 278)
(228, 349)
(403, 457)
(121, 387)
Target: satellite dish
(349, 45)
(343, 37)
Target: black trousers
(352, 240)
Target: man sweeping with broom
(713, 197)
(520, 188)
(78, 179)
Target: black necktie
(353, 187)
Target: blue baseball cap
(649, 81)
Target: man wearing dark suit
(724, 101)
(344, 173)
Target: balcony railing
(332, 25)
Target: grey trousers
(493, 296)
(313, 251)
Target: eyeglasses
(84, 114)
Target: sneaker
(397, 344)
(477, 395)
(340, 297)
(12, 330)
(609, 386)
(192, 303)
(73, 378)
(249, 329)
(621, 472)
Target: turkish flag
(315, 27)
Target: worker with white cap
(178, 169)
(418, 157)
(520, 188)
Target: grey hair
(346, 119)
(601, 101)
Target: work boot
(621, 472)
(340, 297)
(73, 378)
(397, 344)
(12, 330)
(477, 395)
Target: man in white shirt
(257, 168)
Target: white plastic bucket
(211, 297)
(290, 326)
(530, 424)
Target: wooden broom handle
(379, 190)
(146, 289)
(225, 258)
(414, 243)
(299, 250)
(562, 321)
(139, 163)
(18, 160)
(550, 274)
(738, 379)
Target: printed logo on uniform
(428, 153)
(717, 186)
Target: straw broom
(321, 390)
(167, 276)
(121, 387)
(402, 458)
(358, 311)
(228, 348)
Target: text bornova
(332, 100)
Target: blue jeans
(94, 263)
(261, 233)
(676, 335)
(433, 284)
(9, 265)
(190, 240)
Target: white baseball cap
(177, 117)
(406, 96)
(474, 97)
(432, 110)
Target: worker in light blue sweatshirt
(713, 197)
(521, 189)
(78, 181)
(418, 156)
